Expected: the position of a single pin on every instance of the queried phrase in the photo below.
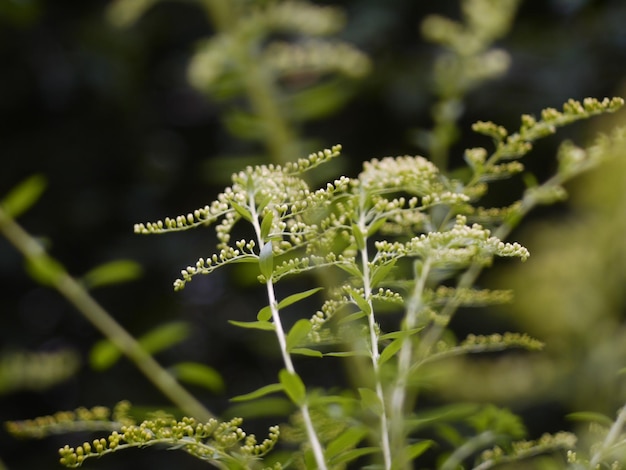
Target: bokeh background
(107, 115)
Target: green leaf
(199, 374)
(44, 269)
(264, 314)
(348, 354)
(345, 441)
(592, 417)
(298, 332)
(381, 272)
(23, 196)
(261, 408)
(354, 454)
(352, 317)
(260, 392)
(104, 353)
(359, 238)
(292, 299)
(390, 350)
(255, 325)
(266, 225)
(241, 210)
(400, 334)
(266, 260)
(415, 450)
(164, 336)
(112, 273)
(375, 226)
(293, 386)
(360, 301)
(307, 352)
(370, 401)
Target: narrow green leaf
(380, 273)
(350, 268)
(24, 195)
(307, 352)
(345, 441)
(351, 455)
(164, 336)
(400, 334)
(241, 210)
(592, 417)
(266, 260)
(260, 392)
(370, 401)
(264, 314)
(298, 332)
(359, 238)
(199, 374)
(352, 317)
(347, 354)
(103, 355)
(111, 273)
(360, 301)
(390, 350)
(293, 386)
(292, 299)
(260, 408)
(44, 269)
(375, 226)
(266, 225)
(254, 325)
(415, 450)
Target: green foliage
(404, 242)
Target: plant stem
(612, 436)
(373, 330)
(278, 136)
(405, 359)
(316, 447)
(78, 296)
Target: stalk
(78, 296)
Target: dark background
(108, 117)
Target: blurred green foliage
(108, 117)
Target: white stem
(375, 354)
(609, 440)
(405, 359)
(318, 452)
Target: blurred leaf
(415, 450)
(123, 13)
(262, 408)
(256, 325)
(293, 386)
(164, 336)
(112, 272)
(264, 314)
(266, 260)
(104, 353)
(345, 441)
(260, 392)
(298, 332)
(24, 195)
(306, 352)
(370, 401)
(592, 417)
(44, 269)
(199, 374)
(292, 299)
(390, 350)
